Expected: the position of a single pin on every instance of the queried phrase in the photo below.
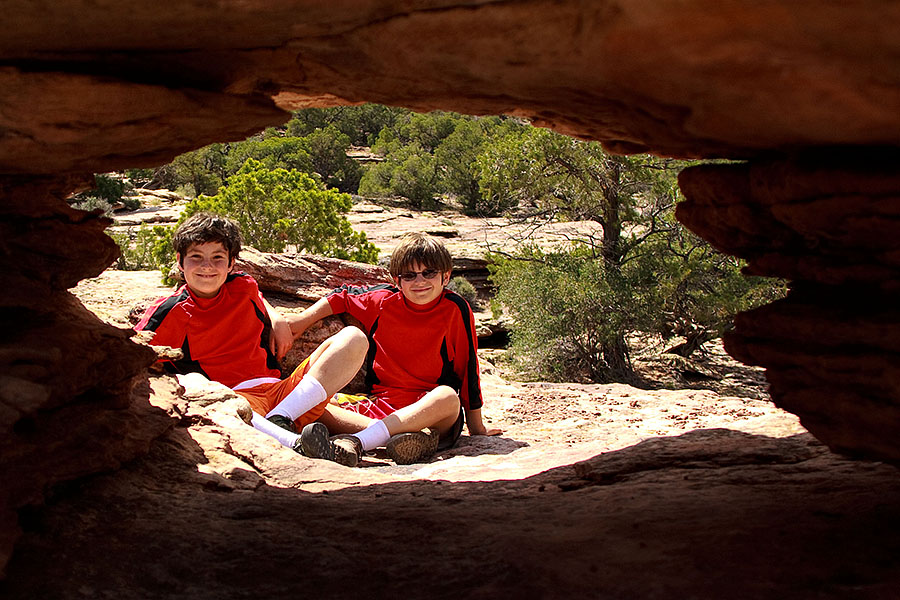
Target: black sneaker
(347, 449)
(314, 442)
(283, 422)
(413, 447)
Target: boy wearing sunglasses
(421, 370)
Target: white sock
(308, 393)
(374, 435)
(282, 435)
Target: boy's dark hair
(204, 227)
(422, 248)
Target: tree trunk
(617, 358)
(692, 343)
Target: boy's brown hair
(205, 227)
(422, 248)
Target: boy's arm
(476, 426)
(301, 322)
(281, 339)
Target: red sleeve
(363, 304)
(166, 320)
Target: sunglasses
(413, 275)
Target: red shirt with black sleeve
(222, 337)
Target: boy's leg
(341, 420)
(330, 367)
(437, 409)
(337, 360)
(311, 442)
(401, 432)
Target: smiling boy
(422, 367)
(230, 334)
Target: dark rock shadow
(708, 514)
(466, 446)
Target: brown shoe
(414, 446)
(348, 449)
(283, 422)
(314, 442)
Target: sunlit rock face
(826, 221)
(90, 87)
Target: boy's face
(205, 268)
(421, 289)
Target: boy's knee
(447, 395)
(446, 390)
(355, 338)
(351, 335)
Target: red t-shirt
(412, 348)
(221, 337)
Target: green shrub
(140, 177)
(461, 286)
(327, 149)
(407, 171)
(571, 311)
(360, 123)
(277, 207)
(145, 248)
(109, 189)
(568, 315)
(273, 153)
(93, 203)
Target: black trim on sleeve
(186, 365)
(448, 375)
(163, 309)
(475, 399)
(371, 378)
(271, 360)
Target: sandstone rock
(741, 82)
(89, 87)
(721, 500)
(306, 276)
(144, 123)
(148, 215)
(826, 221)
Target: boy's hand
(475, 424)
(281, 339)
(486, 431)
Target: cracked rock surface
(592, 491)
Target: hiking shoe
(347, 450)
(283, 422)
(314, 442)
(413, 447)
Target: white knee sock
(374, 435)
(282, 435)
(308, 393)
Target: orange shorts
(266, 396)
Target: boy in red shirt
(422, 367)
(230, 334)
